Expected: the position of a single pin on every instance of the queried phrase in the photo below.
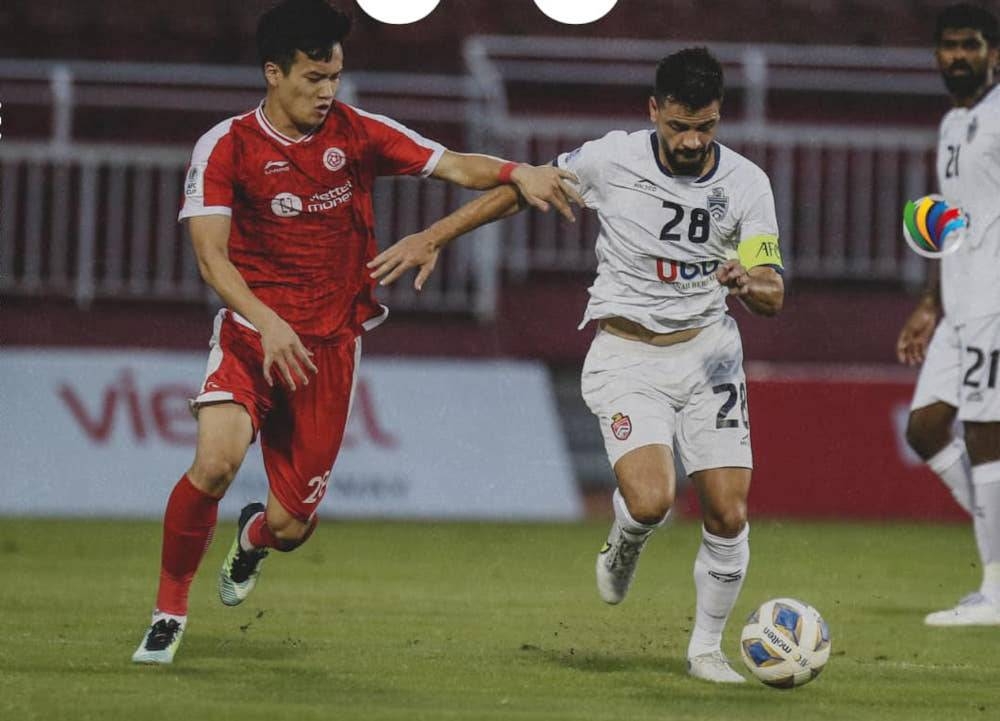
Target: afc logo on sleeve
(194, 183)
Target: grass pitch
(473, 621)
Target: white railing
(90, 221)
(838, 196)
(752, 69)
(839, 190)
(87, 222)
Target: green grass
(472, 621)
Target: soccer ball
(785, 643)
(932, 228)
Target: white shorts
(694, 392)
(961, 369)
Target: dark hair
(692, 77)
(312, 26)
(967, 15)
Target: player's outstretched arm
(281, 345)
(422, 249)
(761, 288)
(540, 186)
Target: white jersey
(968, 169)
(662, 237)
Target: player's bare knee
(213, 474)
(728, 522)
(983, 442)
(923, 439)
(652, 507)
(928, 429)
(291, 536)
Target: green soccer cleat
(241, 569)
(161, 641)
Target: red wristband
(506, 170)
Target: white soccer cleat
(616, 563)
(713, 667)
(973, 610)
(162, 639)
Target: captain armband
(759, 250)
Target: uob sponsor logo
(673, 271)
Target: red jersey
(303, 226)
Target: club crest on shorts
(334, 159)
(621, 426)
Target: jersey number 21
(951, 168)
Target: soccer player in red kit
(279, 207)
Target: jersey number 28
(698, 226)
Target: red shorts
(301, 431)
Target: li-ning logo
(726, 577)
(276, 166)
(334, 159)
(286, 205)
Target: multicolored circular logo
(931, 226)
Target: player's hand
(911, 347)
(734, 277)
(283, 349)
(545, 184)
(417, 250)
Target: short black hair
(968, 15)
(312, 26)
(691, 77)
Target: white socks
(986, 485)
(632, 528)
(951, 464)
(719, 570)
(991, 582)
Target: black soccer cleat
(240, 569)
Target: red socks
(260, 535)
(187, 530)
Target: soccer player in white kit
(684, 222)
(960, 354)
